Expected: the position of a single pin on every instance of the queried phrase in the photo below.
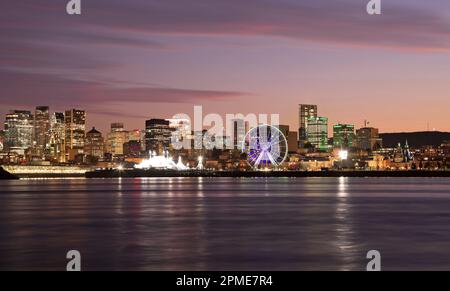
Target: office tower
(138, 136)
(116, 138)
(240, 128)
(292, 140)
(158, 135)
(306, 111)
(368, 138)
(75, 121)
(284, 130)
(94, 145)
(132, 149)
(57, 137)
(343, 136)
(41, 130)
(19, 131)
(317, 132)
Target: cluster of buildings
(62, 138)
(357, 149)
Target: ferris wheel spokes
(265, 146)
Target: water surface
(225, 223)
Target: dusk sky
(131, 60)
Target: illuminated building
(19, 131)
(41, 130)
(317, 132)
(132, 149)
(94, 145)
(75, 121)
(116, 138)
(306, 111)
(343, 135)
(57, 137)
(368, 138)
(158, 135)
(135, 135)
(402, 154)
(240, 128)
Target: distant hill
(415, 139)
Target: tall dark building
(240, 128)
(158, 135)
(41, 130)
(94, 146)
(306, 111)
(75, 121)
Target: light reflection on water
(225, 223)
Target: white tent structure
(200, 163)
(163, 162)
(180, 165)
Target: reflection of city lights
(343, 155)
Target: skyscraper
(158, 135)
(317, 132)
(41, 130)
(240, 128)
(306, 111)
(292, 140)
(343, 135)
(19, 131)
(57, 137)
(75, 121)
(116, 138)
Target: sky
(131, 60)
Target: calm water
(225, 223)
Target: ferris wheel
(265, 146)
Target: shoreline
(4, 175)
(261, 174)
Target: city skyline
(107, 123)
(138, 60)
